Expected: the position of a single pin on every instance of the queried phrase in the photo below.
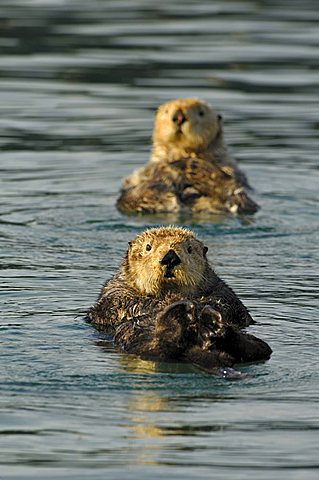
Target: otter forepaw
(211, 325)
(172, 327)
(182, 312)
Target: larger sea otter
(166, 301)
(190, 169)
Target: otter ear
(205, 250)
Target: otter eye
(205, 250)
(201, 113)
(148, 247)
(220, 117)
(189, 249)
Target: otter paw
(181, 312)
(210, 326)
(172, 327)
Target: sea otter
(190, 169)
(167, 302)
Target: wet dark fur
(187, 185)
(203, 329)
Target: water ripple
(80, 82)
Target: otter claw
(189, 307)
(182, 311)
(210, 326)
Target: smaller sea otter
(190, 169)
(167, 302)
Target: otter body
(167, 302)
(190, 169)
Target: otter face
(165, 259)
(188, 124)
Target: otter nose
(171, 260)
(179, 117)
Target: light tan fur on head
(143, 269)
(198, 132)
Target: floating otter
(190, 169)
(167, 302)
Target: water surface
(79, 84)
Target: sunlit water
(79, 83)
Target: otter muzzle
(170, 261)
(179, 117)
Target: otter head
(165, 259)
(186, 124)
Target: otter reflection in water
(190, 169)
(167, 302)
